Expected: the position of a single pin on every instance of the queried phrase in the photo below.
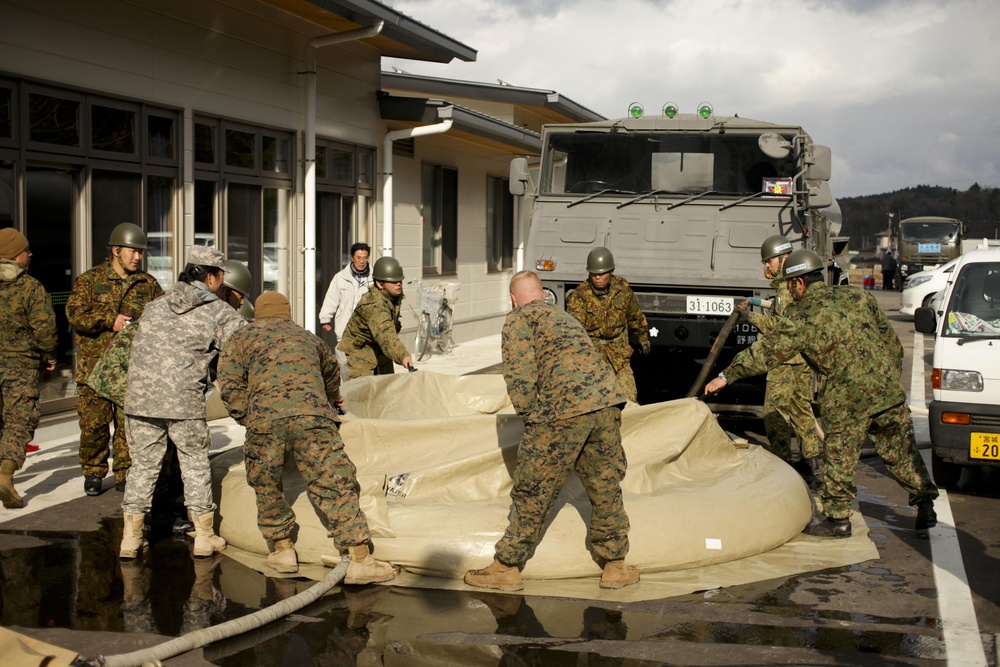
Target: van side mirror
(925, 320)
(518, 176)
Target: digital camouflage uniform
(27, 339)
(849, 343)
(787, 400)
(179, 337)
(570, 403)
(610, 316)
(278, 380)
(98, 297)
(371, 339)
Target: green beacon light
(635, 110)
(705, 110)
(670, 110)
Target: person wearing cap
(27, 342)
(889, 267)
(346, 289)
(104, 301)
(371, 337)
(788, 396)
(175, 347)
(607, 308)
(282, 383)
(849, 343)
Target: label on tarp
(928, 247)
(711, 543)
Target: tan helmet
(600, 260)
(774, 246)
(387, 270)
(800, 262)
(128, 235)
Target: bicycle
(434, 323)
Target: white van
(965, 412)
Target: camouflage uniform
(27, 338)
(98, 297)
(787, 401)
(371, 339)
(168, 375)
(570, 404)
(610, 317)
(278, 380)
(849, 343)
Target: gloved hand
(743, 312)
(644, 346)
(755, 301)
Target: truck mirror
(518, 176)
(820, 195)
(774, 145)
(925, 320)
(820, 163)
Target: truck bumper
(952, 441)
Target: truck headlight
(550, 296)
(961, 380)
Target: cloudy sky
(905, 92)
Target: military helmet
(128, 235)
(600, 260)
(237, 276)
(774, 246)
(388, 270)
(247, 311)
(800, 262)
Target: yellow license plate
(985, 446)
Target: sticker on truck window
(985, 446)
(709, 305)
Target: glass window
(204, 212)
(160, 229)
(439, 187)
(115, 198)
(275, 256)
(366, 167)
(500, 225)
(6, 113)
(276, 153)
(6, 194)
(53, 120)
(320, 162)
(112, 129)
(342, 165)
(205, 150)
(161, 137)
(240, 149)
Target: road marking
(963, 644)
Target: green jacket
(27, 322)
(373, 329)
(610, 316)
(781, 303)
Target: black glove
(742, 315)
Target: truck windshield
(974, 308)
(587, 162)
(923, 232)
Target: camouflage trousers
(330, 477)
(618, 356)
(788, 411)
(367, 361)
(148, 436)
(892, 434)
(590, 445)
(96, 416)
(18, 412)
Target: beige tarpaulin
(22, 651)
(435, 454)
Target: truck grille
(989, 421)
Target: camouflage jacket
(551, 367)
(610, 316)
(274, 369)
(179, 337)
(780, 304)
(98, 297)
(27, 321)
(109, 376)
(847, 340)
(375, 324)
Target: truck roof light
(670, 109)
(705, 110)
(635, 110)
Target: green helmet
(800, 262)
(237, 276)
(600, 260)
(388, 270)
(247, 311)
(128, 235)
(774, 246)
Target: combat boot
(808, 468)
(283, 559)
(926, 516)
(618, 575)
(8, 494)
(829, 527)
(133, 540)
(206, 542)
(497, 576)
(365, 568)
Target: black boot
(829, 528)
(926, 516)
(807, 468)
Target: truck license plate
(709, 305)
(985, 446)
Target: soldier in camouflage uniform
(849, 343)
(787, 401)
(608, 310)
(177, 342)
(283, 383)
(571, 408)
(371, 339)
(27, 342)
(103, 302)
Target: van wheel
(946, 473)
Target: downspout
(309, 240)
(387, 202)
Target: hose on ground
(237, 626)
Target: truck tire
(946, 474)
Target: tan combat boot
(497, 576)
(133, 540)
(363, 568)
(8, 494)
(206, 542)
(618, 575)
(283, 559)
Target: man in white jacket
(346, 289)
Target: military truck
(928, 241)
(684, 202)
